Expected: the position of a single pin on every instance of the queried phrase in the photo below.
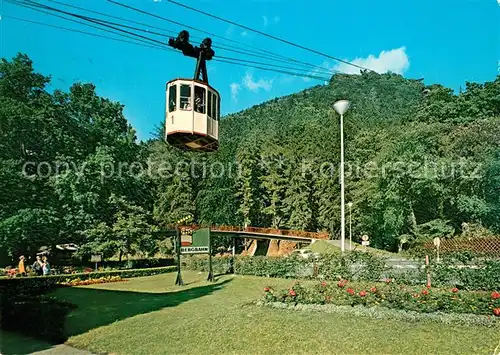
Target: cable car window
(214, 107)
(209, 104)
(172, 98)
(199, 99)
(185, 97)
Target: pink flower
(388, 281)
(350, 291)
(373, 289)
(495, 295)
(292, 293)
(425, 292)
(340, 284)
(362, 293)
(267, 289)
(454, 290)
(323, 284)
(496, 312)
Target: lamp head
(341, 106)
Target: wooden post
(210, 270)
(178, 280)
(428, 271)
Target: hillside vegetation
(418, 164)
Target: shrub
(40, 284)
(40, 317)
(389, 295)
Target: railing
(263, 230)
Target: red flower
(323, 284)
(292, 293)
(495, 295)
(362, 293)
(373, 289)
(454, 290)
(350, 291)
(425, 292)
(340, 284)
(267, 289)
(496, 312)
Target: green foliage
(37, 285)
(388, 295)
(417, 165)
(40, 317)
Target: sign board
(195, 241)
(364, 238)
(96, 258)
(365, 242)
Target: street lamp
(350, 225)
(341, 107)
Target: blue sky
(442, 41)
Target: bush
(41, 284)
(40, 317)
(352, 265)
(463, 270)
(389, 295)
(220, 265)
(474, 274)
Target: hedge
(40, 317)
(40, 284)
(354, 265)
(470, 274)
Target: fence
(475, 245)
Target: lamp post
(341, 107)
(350, 225)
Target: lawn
(150, 315)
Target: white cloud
(277, 18)
(266, 20)
(244, 33)
(235, 89)
(394, 60)
(255, 86)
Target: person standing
(38, 266)
(45, 266)
(21, 268)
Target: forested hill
(419, 163)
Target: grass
(150, 315)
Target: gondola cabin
(192, 115)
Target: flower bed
(389, 295)
(79, 282)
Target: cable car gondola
(192, 106)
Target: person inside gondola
(199, 104)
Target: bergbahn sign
(195, 241)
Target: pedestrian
(45, 266)
(38, 266)
(21, 268)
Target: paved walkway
(62, 349)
